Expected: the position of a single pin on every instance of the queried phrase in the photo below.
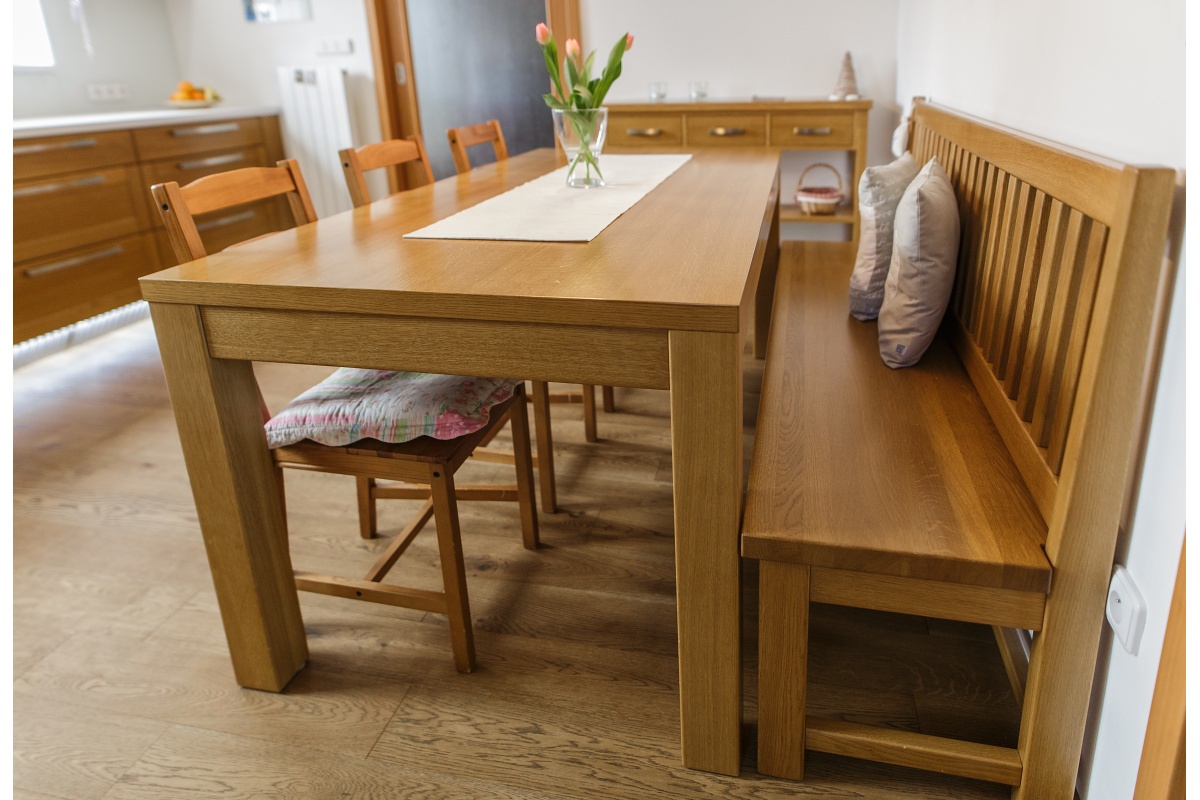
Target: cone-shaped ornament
(847, 84)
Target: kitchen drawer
(201, 137)
(812, 130)
(645, 130)
(185, 169)
(49, 293)
(67, 211)
(725, 130)
(52, 155)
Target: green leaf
(587, 67)
(572, 73)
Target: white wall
(773, 48)
(1106, 76)
(132, 44)
(217, 46)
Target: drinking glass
(698, 90)
(658, 91)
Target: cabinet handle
(77, 261)
(212, 161)
(221, 222)
(812, 131)
(648, 132)
(206, 130)
(726, 131)
(74, 144)
(50, 188)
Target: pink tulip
(542, 33)
(628, 41)
(573, 51)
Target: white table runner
(545, 210)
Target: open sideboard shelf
(810, 125)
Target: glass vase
(581, 134)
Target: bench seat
(860, 467)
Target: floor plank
(123, 686)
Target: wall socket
(334, 47)
(104, 92)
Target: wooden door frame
(387, 21)
(1162, 772)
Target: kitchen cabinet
(811, 125)
(84, 223)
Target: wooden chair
(470, 136)
(392, 153)
(425, 466)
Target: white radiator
(316, 124)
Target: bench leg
(782, 668)
(610, 403)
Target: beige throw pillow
(879, 192)
(921, 277)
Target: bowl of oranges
(187, 95)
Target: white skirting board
(316, 124)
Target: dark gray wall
(475, 60)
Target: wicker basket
(818, 200)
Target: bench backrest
(1059, 266)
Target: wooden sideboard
(786, 124)
(84, 225)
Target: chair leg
(545, 445)
(454, 574)
(366, 507)
(782, 667)
(610, 404)
(518, 417)
(589, 412)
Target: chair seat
(389, 407)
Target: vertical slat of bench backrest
(1059, 271)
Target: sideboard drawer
(51, 292)
(178, 140)
(53, 155)
(724, 130)
(75, 210)
(645, 130)
(812, 130)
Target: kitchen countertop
(122, 120)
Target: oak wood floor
(123, 686)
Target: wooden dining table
(663, 298)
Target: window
(31, 40)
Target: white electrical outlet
(1126, 610)
(105, 92)
(334, 47)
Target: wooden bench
(984, 484)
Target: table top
(681, 258)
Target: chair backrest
(394, 152)
(471, 135)
(179, 205)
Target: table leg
(706, 453)
(237, 498)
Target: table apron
(499, 349)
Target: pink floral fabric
(395, 407)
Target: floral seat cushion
(395, 407)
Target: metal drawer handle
(726, 131)
(649, 132)
(213, 161)
(74, 144)
(221, 222)
(49, 188)
(812, 131)
(67, 263)
(206, 130)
